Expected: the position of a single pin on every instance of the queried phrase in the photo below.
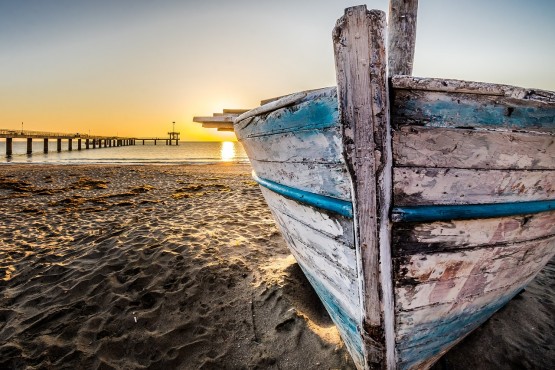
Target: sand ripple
(150, 267)
(121, 267)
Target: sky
(132, 67)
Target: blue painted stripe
(339, 206)
(469, 211)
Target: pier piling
(8, 147)
(97, 141)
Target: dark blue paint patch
(430, 339)
(335, 205)
(318, 113)
(462, 111)
(346, 325)
(469, 211)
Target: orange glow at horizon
(110, 68)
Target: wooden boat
(416, 207)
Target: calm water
(185, 153)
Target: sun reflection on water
(227, 151)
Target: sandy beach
(161, 267)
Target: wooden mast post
(401, 36)
(362, 75)
(361, 67)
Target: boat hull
(472, 214)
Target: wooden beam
(462, 148)
(217, 125)
(360, 59)
(226, 129)
(401, 36)
(235, 111)
(220, 119)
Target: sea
(184, 153)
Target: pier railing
(93, 141)
(4, 133)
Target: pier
(89, 141)
(173, 136)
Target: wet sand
(136, 267)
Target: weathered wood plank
(309, 146)
(340, 286)
(422, 330)
(335, 226)
(460, 278)
(235, 111)
(266, 108)
(360, 59)
(429, 321)
(421, 268)
(218, 125)
(418, 329)
(424, 319)
(317, 110)
(325, 179)
(215, 119)
(462, 148)
(440, 292)
(401, 36)
(428, 186)
(330, 248)
(451, 235)
(444, 109)
(470, 87)
(440, 334)
(337, 254)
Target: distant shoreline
(188, 153)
